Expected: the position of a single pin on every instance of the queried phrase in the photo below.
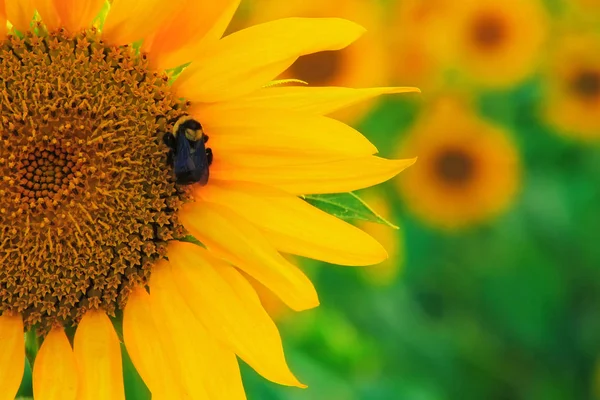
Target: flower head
(468, 168)
(573, 76)
(420, 42)
(497, 43)
(94, 223)
(361, 64)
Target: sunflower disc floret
(87, 203)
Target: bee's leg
(209, 156)
(205, 138)
(170, 158)
(169, 140)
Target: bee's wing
(183, 157)
(200, 162)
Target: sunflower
(362, 64)
(498, 43)
(572, 103)
(100, 121)
(418, 38)
(586, 8)
(468, 168)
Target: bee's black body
(189, 156)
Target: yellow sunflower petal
(131, 20)
(242, 324)
(55, 369)
(223, 12)
(235, 239)
(144, 347)
(2, 20)
(271, 137)
(76, 15)
(247, 60)
(12, 356)
(182, 39)
(98, 354)
(328, 177)
(294, 226)
(48, 13)
(20, 13)
(207, 369)
(315, 100)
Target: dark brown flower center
(87, 202)
(454, 167)
(48, 171)
(488, 32)
(319, 69)
(586, 84)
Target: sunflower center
(488, 32)
(48, 171)
(586, 84)
(318, 69)
(87, 201)
(454, 167)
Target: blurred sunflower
(418, 39)
(90, 211)
(468, 169)
(497, 43)
(392, 240)
(590, 8)
(362, 64)
(572, 103)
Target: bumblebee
(188, 155)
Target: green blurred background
(493, 286)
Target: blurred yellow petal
(198, 24)
(131, 20)
(20, 13)
(55, 369)
(98, 354)
(12, 356)
(315, 100)
(242, 324)
(328, 177)
(271, 137)
(247, 60)
(144, 347)
(294, 226)
(233, 238)
(207, 369)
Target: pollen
(87, 202)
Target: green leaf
(135, 389)
(174, 73)
(191, 239)
(101, 17)
(26, 388)
(346, 206)
(32, 345)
